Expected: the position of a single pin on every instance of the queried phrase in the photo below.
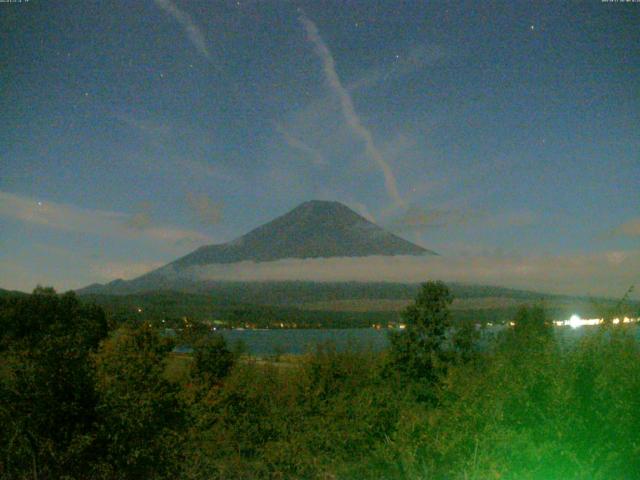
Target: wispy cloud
(206, 210)
(55, 215)
(145, 125)
(416, 58)
(125, 270)
(603, 273)
(141, 219)
(420, 219)
(97, 222)
(99, 268)
(348, 109)
(297, 144)
(630, 228)
(164, 136)
(21, 278)
(194, 34)
(362, 209)
(522, 218)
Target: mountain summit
(314, 229)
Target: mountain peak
(321, 205)
(313, 229)
(319, 212)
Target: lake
(296, 341)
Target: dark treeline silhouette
(309, 304)
(86, 396)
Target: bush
(76, 405)
(141, 419)
(212, 360)
(47, 394)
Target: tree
(47, 394)
(418, 350)
(532, 326)
(464, 340)
(212, 360)
(141, 419)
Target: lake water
(296, 341)
(269, 342)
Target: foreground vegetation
(84, 397)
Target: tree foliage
(141, 418)
(47, 396)
(78, 402)
(212, 360)
(418, 350)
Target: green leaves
(47, 396)
(418, 350)
(140, 416)
(212, 360)
(75, 404)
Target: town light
(575, 321)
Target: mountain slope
(315, 229)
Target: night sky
(505, 136)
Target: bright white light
(575, 321)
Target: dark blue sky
(133, 132)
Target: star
(532, 27)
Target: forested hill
(298, 292)
(340, 305)
(10, 293)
